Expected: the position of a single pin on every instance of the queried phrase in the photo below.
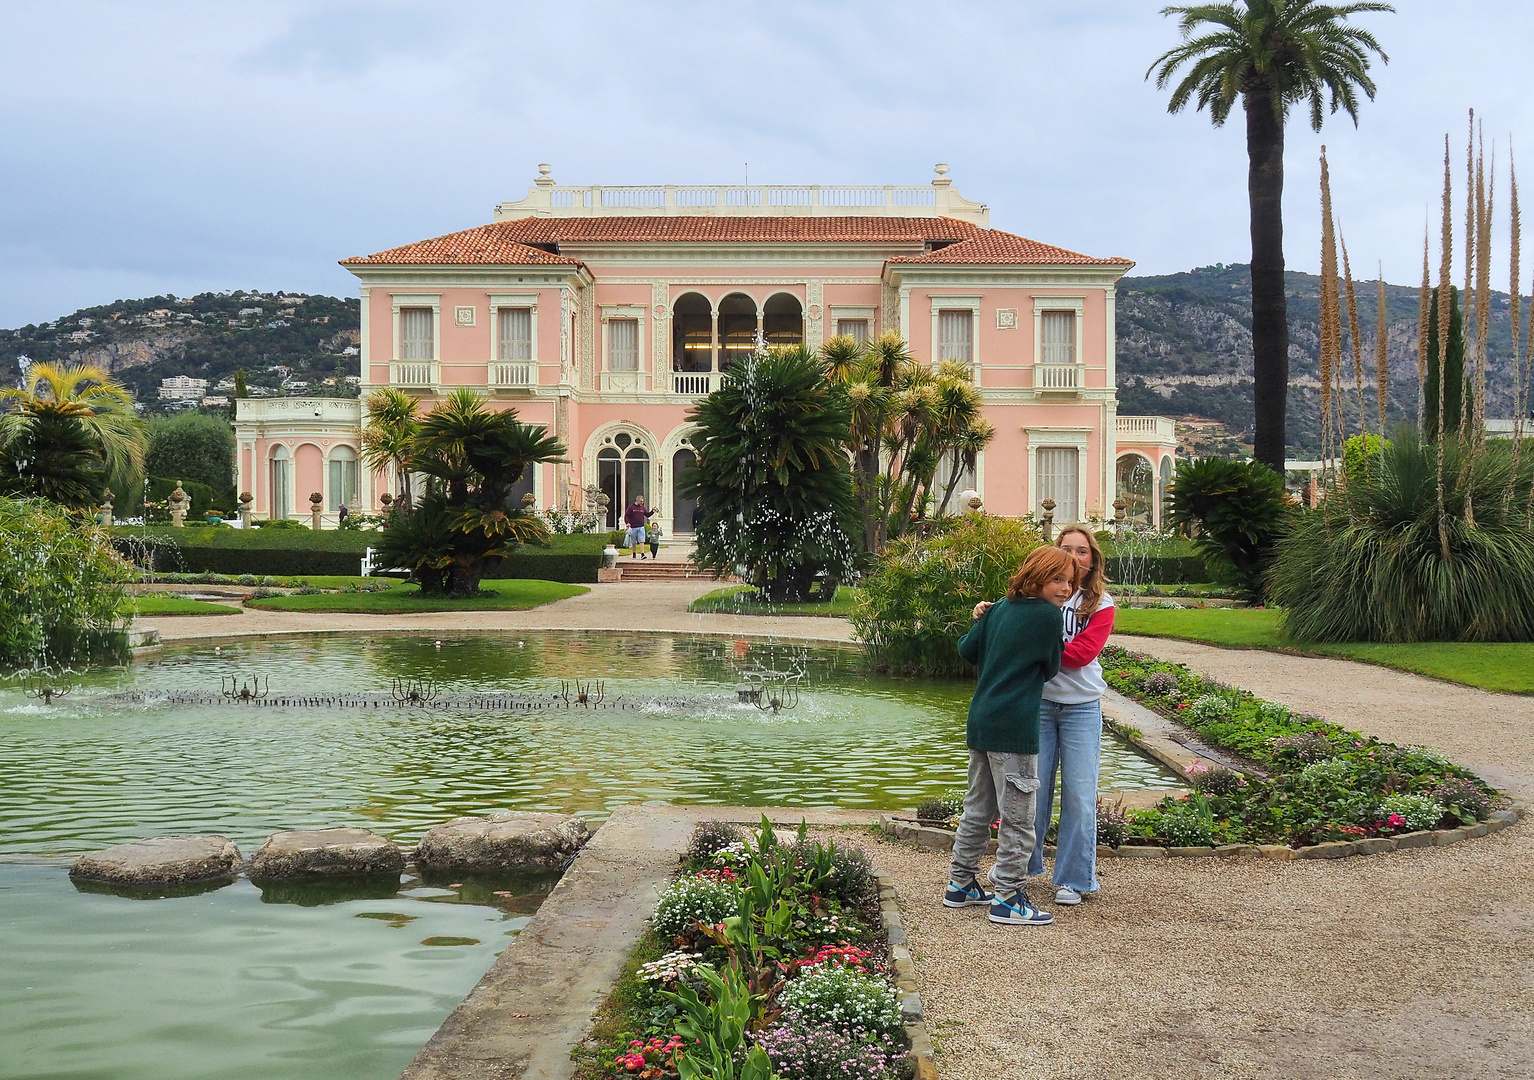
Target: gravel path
(1417, 964)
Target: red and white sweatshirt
(1081, 676)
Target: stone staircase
(662, 570)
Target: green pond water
(231, 982)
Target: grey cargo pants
(1001, 786)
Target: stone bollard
(1118, 518)
(246, 499)
(315, 500)
(1048, 522)
(105, 515)
(180, 502)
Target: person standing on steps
(1071, 725)
(635, 518)
(1016, 646)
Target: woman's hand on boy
(980, 609)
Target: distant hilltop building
(605, 312)
(182, 388)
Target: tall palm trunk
(1270, 315)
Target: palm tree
(82, 397)
(1270, 54)
(391, 428)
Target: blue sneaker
(1015, 910)
(969, 895)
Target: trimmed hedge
(1160, 570)
(302, 553)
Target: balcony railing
(692, 383)
(1159, 429)
(414, 373)
(513, 375)
(1058, 377)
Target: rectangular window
(515, 330)
(1059, 334)
(1057, 481)
(343, 483)
(415, 334)
(856, 329)
(622, 344)
(956, 336)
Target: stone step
(646, 570)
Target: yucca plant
(1374, 568)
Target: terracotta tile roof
(507, 242)
(995, 246)
(487, 244)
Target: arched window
(623, 474)
(343, 478)
(737, 329)
(1166, 480)
(783, 320)
(692, 333)
(280, 491)
(1136, 485)
(684, 510)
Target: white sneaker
(1068, 897)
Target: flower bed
(764, 960)
(1322, 782)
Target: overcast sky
(181, 147)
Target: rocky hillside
(1185, 349)
(283, 342)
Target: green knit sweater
(1016, 645)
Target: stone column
(315, 501)
(246, 499)
(180, 502)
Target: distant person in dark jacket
(635, 518)
(1016, 645)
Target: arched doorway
(684, 511)
(692, 333)
(783, 320)
(279, 492)
(623, 472)
(737, 329)
(1136, 485)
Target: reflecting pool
(231, 982)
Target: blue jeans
(1070, 739)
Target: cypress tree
(1453, 371)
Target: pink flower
(1395, 821)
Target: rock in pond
(508, 842)
(160, 860)
(325, 853)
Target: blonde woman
(1071, 725)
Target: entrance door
(684, 511)
(623, 472)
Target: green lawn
(1502, 666)
(164, 604)
(735, 600)
(514, 594)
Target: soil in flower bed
(765, 949)
(1322, 783)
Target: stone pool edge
(537, 1001)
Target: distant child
(1016, 645)
(652, 536)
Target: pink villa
(605, 313)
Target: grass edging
(509, 594)
(724, 602)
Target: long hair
(1042, 566)
(1093, 580)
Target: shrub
(1240, 511)
(1416, 812)
(1188, 823)
(1219, 781)
(843, 997)
(772, 476)
(1372, 566)
(1464, 799)
(810, 1048)
(61, 585)
(193, 446)
(1159, 682)
(1307, 746)
(932, 810)
(694, 899)
(711, 837)
(1328, 771)
(1208, 708)
(852, 876)
(917, 602)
